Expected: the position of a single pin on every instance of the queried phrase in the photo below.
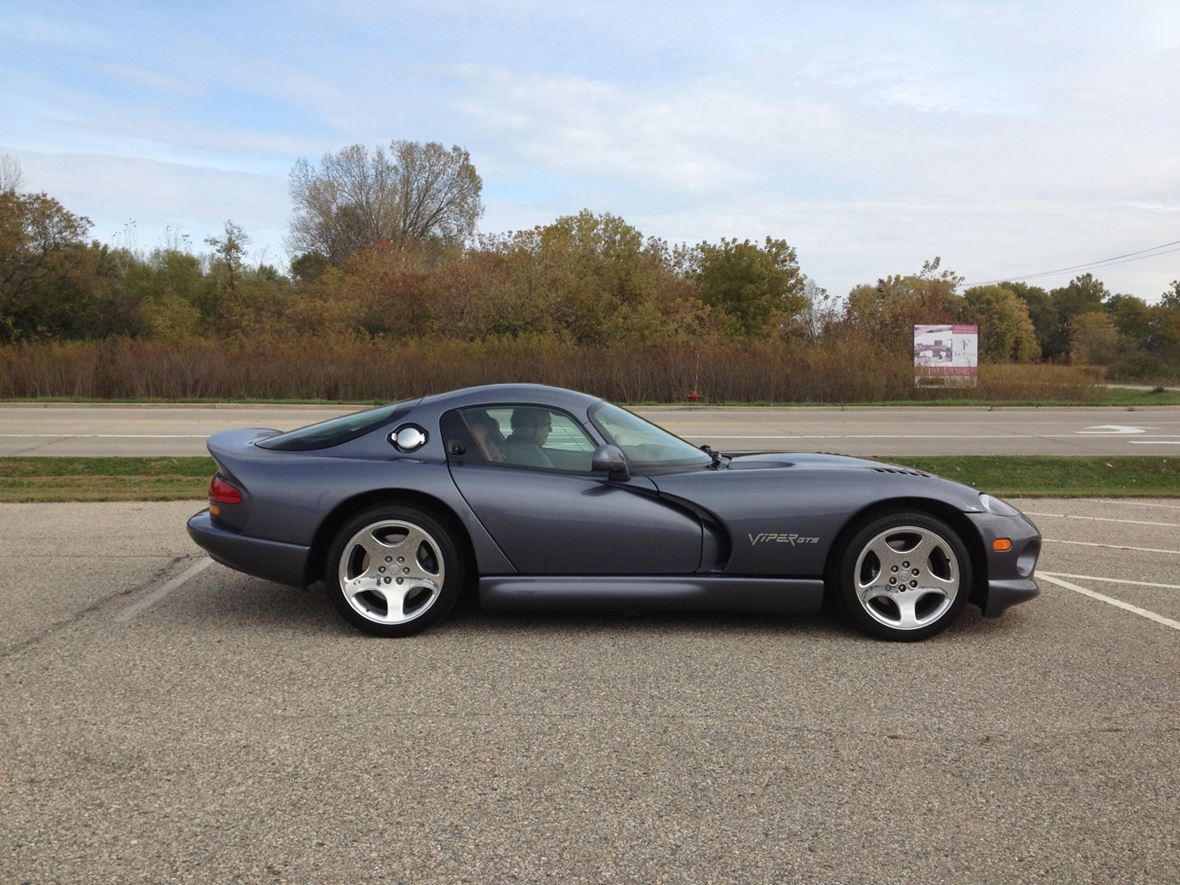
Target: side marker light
(1002, 545)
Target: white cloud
(1006, 137)
(153, 79)
(155, 196)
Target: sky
(1007, 138)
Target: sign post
(946, 355)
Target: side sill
(689, 593)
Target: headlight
(998, 507)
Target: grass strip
(1057, 476)
(104, 479)
(174, 479)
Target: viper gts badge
(779, 538)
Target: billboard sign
(946, 355)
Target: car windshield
(649, 449)
(335, 431)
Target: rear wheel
(904, 576)
(394, 570)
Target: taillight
(222, 491)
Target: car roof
(540, 394)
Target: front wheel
(394, 571)
(904, 576)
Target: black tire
(892, 609)
(435, 572)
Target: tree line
(385, 248)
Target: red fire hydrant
(694, 396)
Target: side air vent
(901, 471)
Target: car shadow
(253, 603)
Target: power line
(1125, 258)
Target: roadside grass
(1103, 396)
(1058, 476)
(50, 479)
(1158, 396)
(104, 479)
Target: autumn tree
(819, 314)
(172, 290)
(1171, 298)
(756, 289)
(889, 310)
(49, 275)
(402, 196)
(589, 277)
(10, 174)
(1006, 332)
(1168, 314)
(1093, 339)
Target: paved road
(161, 719)
(88, 430)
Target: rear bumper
(1009, 574)
(272, 560)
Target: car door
(550, 514)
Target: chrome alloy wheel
(391, 572)
(907, 577)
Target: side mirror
(611, 461)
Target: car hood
(813, 461)
(754, 487)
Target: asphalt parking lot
(166, 719)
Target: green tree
(1135, 320)
(229, 253)
(1042, 312)
(1084, 294)
(1006, 332)
(756, 289)
(412, 193)
(309, 267)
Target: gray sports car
(545, 498)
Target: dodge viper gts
(543, 498)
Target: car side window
(518, 435)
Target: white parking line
(1110, 600)
(1175, 525)
(1111, 546)
(156, 595)
(1109, 580)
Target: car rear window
(335, 431)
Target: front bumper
(272, 560)
(1010, 574)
